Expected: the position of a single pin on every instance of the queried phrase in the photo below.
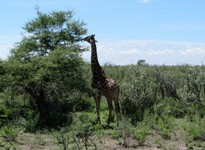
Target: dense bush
(137, 92)
(171, 90)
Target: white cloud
(154, 52)
(4, 51)
(7, 42)
(130, 51)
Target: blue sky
(166, 32)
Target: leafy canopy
(48, 31)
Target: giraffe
(102, 85)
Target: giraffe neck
(97, 70)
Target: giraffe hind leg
(110, 107)
(117, 111)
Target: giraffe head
(90, 39)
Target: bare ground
(27, 141)
(154, 141)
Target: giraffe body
(102, 85)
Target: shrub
(195, 127)
(137, 93)
(9, 133)
(141, 132)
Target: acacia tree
(46, 65)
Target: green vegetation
(45, 96)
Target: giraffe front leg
(97, 101)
